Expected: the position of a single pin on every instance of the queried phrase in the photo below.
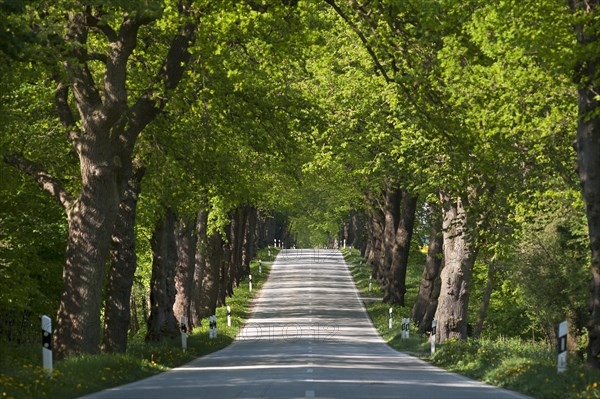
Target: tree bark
(123, 263)
(401, 249)
(199, 267)
(227, 270)
(459, 258)
(587, 146)
(376, 254)
(391, 217)
(162, 322)
(212, 275)
(249, 241)
(357, 232)
(91, 222)
(487, 295)
(238, 225)
(429, 289)
(184, 274)
(134, 325)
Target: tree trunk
(249, 240)
(357, 232)
(123, 263)
(184, 274)
(162, 323)
(391, 214)
(134, 325)
(459, 257)
(587, 146)
(91, 222)
(212, 275)
(377, 244)
(401, 249)
(227, 272)
(199, 267)
(487, 295)
(429, 289)
(238, 225)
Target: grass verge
(512, 363)
(22, 377)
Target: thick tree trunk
(123, 262)
(238, 225)
(134, 325)
(249, 239)
(377, 244)
(212, 275)
(184, 274)
(162, 323)
(391, 215)
(487, 295)
(357, 232)
(429, 290)
(227, 271)
(199, 266)
(587, 146)
(91, 222)
(401, 249)
(459, 257)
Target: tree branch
(48, 183)
(148, 106)
(97, 57)
(115, 77)
(363, 39)
(82, 82)
(95, 23)
(65, 115)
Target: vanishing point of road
(309, 337)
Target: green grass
(512, 363)
(22, 377)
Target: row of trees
(464, 123)
(441, 123)
(137, 119)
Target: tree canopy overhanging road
(150, 148)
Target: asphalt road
(309, 337)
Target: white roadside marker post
(370, 283)
(405, 328)
(228, 316)
(259, 266)
(402, 325)
(250, 282)
(47, 344)
(433, 332)
(390, 320)
(562, 346)
(183, 327)
(212, 332)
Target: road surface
(309, 337)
